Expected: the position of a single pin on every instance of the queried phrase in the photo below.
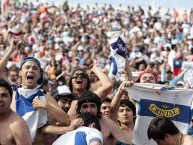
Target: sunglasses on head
(81, 75)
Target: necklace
(180, 141)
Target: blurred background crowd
(63, 37)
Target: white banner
(155, 100)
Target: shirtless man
(123, 111)
(90, 102)
(105, 107)
(13, 129)
(164, 132)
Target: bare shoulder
(20, 130)
(107, 122)
(17, 122)
(188, 140)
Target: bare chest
(107, 136)
(6, 137)
(128, 134)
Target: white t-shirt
(80, 136)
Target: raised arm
(175, 80)
(163, 71)
(116, 102)
(6, 57)
(53, 109)
(106, 84)
(117, 133)
(128, 74)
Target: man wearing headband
(30, 96)
(32, 77)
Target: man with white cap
(63, 96)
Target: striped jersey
(80, 136)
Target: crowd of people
(56, 59)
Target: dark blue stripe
(114, 65)
(120, 46)
(80, 138)
(24, 105)
(153, 108)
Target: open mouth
(30, 78)
(79, 82)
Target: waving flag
(117, 56)
(155, 100)
(177, 67)
(35, 118)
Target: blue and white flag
(155, 100)
(117, 56)
(35, 118)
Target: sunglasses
(81, 75)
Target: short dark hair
(87, 78)
(108, 100)
(90, 118)
(128, 103)
(6, 85)
(89, 96)
(160, 126)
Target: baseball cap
(62, 91)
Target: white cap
(61, 91)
